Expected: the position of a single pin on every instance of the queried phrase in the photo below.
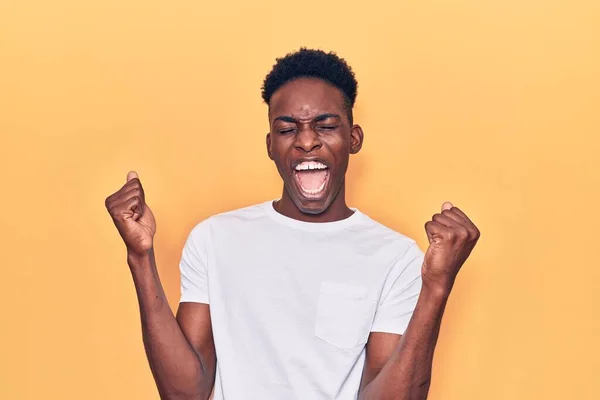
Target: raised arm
(180, 351)
(399, 367)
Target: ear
(356, 139)
(269, 146)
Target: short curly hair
(313, 64)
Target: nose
(307, 140)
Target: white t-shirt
(292, 303)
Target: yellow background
(493, 105)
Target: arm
(180, 351)
(399, 367)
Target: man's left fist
(452, 237)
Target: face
(310, 141)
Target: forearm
(407, 374)
(178, 370)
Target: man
(302, 297)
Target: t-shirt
(292, 303)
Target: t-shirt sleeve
(400, 293)
(193, 266)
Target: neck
(337, 210)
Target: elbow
(187, 395)
(420, 389)
(194, 385)
(199, 391)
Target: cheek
(339, 148)
(278, 152)
(274, 147)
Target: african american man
(301, 297)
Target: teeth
(309, 165)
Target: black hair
(310, 63)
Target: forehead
(306, 98)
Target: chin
(309, 203)
(312, 207)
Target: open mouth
(312, 178)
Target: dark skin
(180, 350)
(309, 122)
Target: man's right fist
(132, 217)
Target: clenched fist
(452, 236)
(132, 217)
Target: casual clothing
(292, 303)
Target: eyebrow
(318, 118)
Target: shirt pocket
(344, 315)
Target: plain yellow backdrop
(494, 105)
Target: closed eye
(286, 131)
(327, 127)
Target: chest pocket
(344, 315)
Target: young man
(302, 297)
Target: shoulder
(229, 220)
(383, 231)
(388, 239)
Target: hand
(452, 236)
(132, 217)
